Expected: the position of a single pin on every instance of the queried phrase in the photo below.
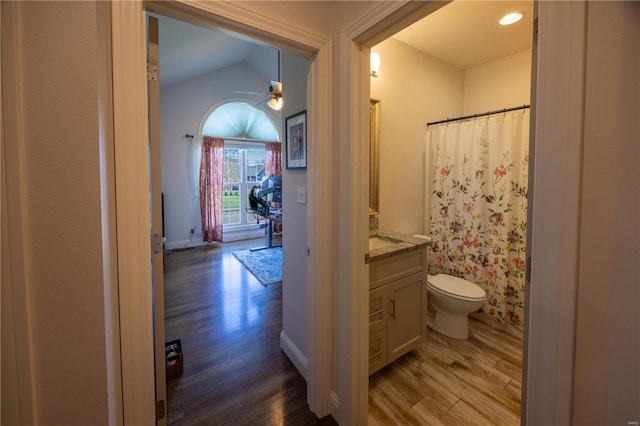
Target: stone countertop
(401, 243)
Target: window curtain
(194, 160)
(211, 188)
(478, 208)
(273, 158)
(273, 167)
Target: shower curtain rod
(466, 117)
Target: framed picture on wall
(296, 140)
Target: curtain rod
(244, 140)
(188, 135)
(466, 117)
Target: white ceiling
(464, 33)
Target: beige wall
(499, 84)
(316, 16)
(607, 364)
(413, 88)
(61, 50)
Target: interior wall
(499, 84)
(183, 107)
(607, 362)
(295, 288)
(60, 188)
(413, 88)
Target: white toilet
(450, 300)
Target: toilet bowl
(450, 300)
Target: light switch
(301, 195)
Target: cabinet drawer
(378, 308)
(393, 268)
(377, 350)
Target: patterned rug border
(260, 263)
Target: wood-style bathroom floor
(452, 382)
(235, 372)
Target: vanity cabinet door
(407, 315)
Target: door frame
(132, 189)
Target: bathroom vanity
(397, 296)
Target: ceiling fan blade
(247, 92)
(262, 102)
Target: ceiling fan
(274, 95)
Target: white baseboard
(243, 234)
(228, 236)
(196, 241)
(294, 354)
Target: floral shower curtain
(478, 207)
(211, 188)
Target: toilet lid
(456, 286)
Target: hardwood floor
(236, 374)
(234, 370)
(452, 382)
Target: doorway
(427, 75)
(219, 98)
(130, 121)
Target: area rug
(265, 264)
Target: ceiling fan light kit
(274, 100)
(276, 103)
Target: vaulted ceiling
(187, 51)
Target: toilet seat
(458, 288)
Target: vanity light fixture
(511, 18)
(375, 63)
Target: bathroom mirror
(374, 161)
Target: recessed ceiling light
(511, 18)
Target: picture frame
(296, 141)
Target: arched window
(240, 120)
(244, 128)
